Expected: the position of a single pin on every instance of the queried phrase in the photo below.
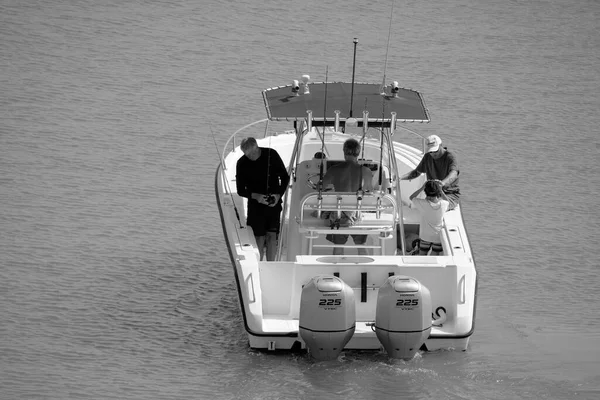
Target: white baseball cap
(432, 143)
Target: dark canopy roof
(282, 104)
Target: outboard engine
(327, 316)
(403, 316)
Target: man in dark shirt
(262, 178)
(439, 164)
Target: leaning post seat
(378, 216)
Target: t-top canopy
(283, 104)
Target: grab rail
(367, 204)
(333, 201)
(414, 133)
(232, 137)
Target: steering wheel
(310, 181)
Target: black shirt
(266, 175)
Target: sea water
(115, 282)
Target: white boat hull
(269, 292)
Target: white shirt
(432, 216)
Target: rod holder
(319, 205)
(337, 120)
(393, 124)
(365, 121)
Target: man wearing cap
(441, 165)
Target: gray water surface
(115, 282)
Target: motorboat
(308, 298)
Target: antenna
(387, 50)
(353, 70)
